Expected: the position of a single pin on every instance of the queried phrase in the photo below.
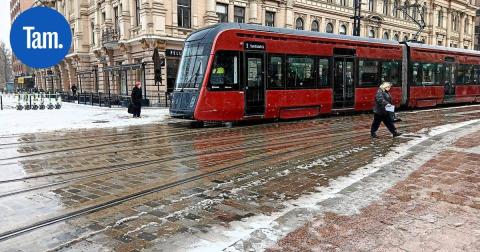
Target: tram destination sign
(258, 46)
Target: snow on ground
(71, 116)
(260, 232)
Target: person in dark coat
(137, 99)
(382, 99)
(74, 90)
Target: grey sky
(5, 22)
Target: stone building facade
(477, 27)
(113, 40)
(19, 70)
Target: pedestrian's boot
(373, 135)
(396, 134)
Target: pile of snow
(71, 116)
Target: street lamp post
(357, 17)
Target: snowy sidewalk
(435, 208)
(72, 116)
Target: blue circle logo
(40, 37)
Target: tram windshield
(192, 67)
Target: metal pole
(357, 17)
(144, 82)
(109, 98)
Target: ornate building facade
(20, 71)
(113, 40)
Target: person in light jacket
(382, 99)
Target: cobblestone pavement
(437, 208)
(170, 187)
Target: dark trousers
(386, 119)
(136, 111)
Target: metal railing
(110, 35)
(109, 100)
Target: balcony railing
(110, 36)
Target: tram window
(224, 74)
(473, 76)
(323, 72)
(462, 75)
(417, 73)
(300, 72)
(428, 74)
(369, 73)
(440, 74)
(477, 75)
(391, 72)
(275, 72)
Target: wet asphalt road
(133, 188)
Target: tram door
(343, 83)
(255, 85)
(449, 81)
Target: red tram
(234, 72)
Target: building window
(222, 13)
(239, 16)
(371, 5)
(329, 28)
(405, 38)
(115, 18)
(315, 26)
(386, 35)
(395, 10)
(184, 10)
(92, 27)
(371, 34)
(465, 28)
(137, 12)
(299, 24)
(440, 18)
(343, 2)
(386, 7)
(270, 18)
(343, 30)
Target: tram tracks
(309, 146)
(245, 145)
(94, 208)
(251, 146)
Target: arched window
(299, 24)
(329, 28)
(315, 26)
(386, 35)
(396, 38)
(371, 34)
(343, 30)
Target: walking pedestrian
(137, 99)
(382, 101)
(74, 90)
